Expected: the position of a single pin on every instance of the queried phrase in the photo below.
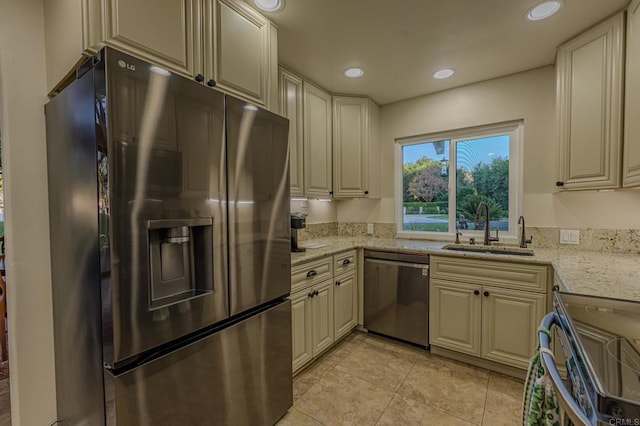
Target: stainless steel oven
(600, 341)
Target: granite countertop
(593, 273)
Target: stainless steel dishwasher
(396, 295)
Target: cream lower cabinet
(301, 321)
(486, 309)
(323, 305)
(345, 300)
(312, 322)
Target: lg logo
(123, 64)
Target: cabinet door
(345, 299)
(322, 317)
(238, 51)
(350, 146)
(631, 158)
(164, 32)
(510, 319)
(317, 142)
(589, 91)
(291, 107)
(454, 316)
(301, 328)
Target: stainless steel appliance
(600, 340)
(396, 295)
(298, 221)
(169, 218)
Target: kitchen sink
(474, 248)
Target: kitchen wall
(22, 95)
(528, 96)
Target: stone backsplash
(603, 240)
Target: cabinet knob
(366, 192)
(310, 294)
(199, 78)
(346, 262)
(559, 183)
(486, 294)
(211, 83)
(330, 192)
(476, 292)
(337, 283)
(315, 293)
(311, 273)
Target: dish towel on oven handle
(540, 405)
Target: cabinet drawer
(344, 262)
(488, 272)
(311, 273)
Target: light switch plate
(570, 236)
(370, 228)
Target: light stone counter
(584, 272)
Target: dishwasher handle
(571, 408)
(397, 263)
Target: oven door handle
(568, 404)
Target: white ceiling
(401, 43)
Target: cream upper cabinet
(492, 313)
(71, 28)
(240, 51)
(317, 142)
(589, 107)
(217, 41)
(631, 158)
(291, 107)
(356, 147)
(165, 32)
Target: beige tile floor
(5, 403)
(368, 380)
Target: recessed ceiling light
(354, 72)
(269, 5)
(543, 10)
(443, 73)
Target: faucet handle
(496, 238)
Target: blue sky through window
(469, 154)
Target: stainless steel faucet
(523, 238)
(487, 239)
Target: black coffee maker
(298, 221)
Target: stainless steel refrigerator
(170, 239)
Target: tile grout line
(486, 397)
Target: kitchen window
(441, 179)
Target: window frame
(515, 130)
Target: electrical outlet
(370, 228)
(570, 236)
